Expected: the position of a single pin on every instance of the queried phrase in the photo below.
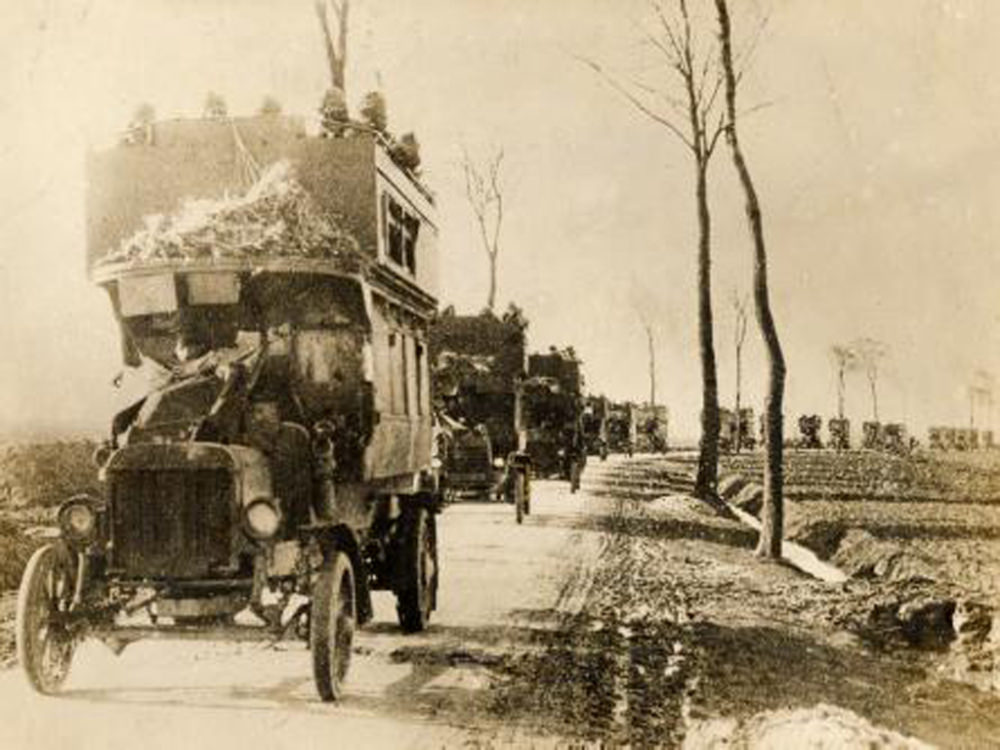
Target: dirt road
(626, 614)
(503, 586)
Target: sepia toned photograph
(499, 374)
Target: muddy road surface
(503, 592)
(626, 614)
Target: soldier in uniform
(573, 453)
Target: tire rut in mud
(617, 672)
(567, 688)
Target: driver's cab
(298, 344)
(171, 318)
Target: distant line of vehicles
(505, 417)
(884, 436)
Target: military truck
(652, 428)
(942, 438)
(621, 428)
(478, 377)
(809, 432)
(594, 423)
(883, 436)
(840, 433)
(553, 408)
(278, 468)
(729, 429)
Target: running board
(131, 633)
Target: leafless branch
(484, 191)
(713, 96)
(497, 193)
(637, 103)
(744, 57)
(756, 108)
(668, 30)
(713, 141)
(676, 105)
(668, 53)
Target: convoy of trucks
(308, 410)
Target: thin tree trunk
(708, 455)
(840, 393)
(339, 79)
(739, 374)
(652, 367)
(772, 514)
(336, 58)
(873, 386)
(492, 298)
(679, 50)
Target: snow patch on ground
(822, 727)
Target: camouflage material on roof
(275, 218)
(562, 367)
(481, 352)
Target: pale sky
(877, 161)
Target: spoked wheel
(332, 620)
(417, 583)
(44, 644)
(520, 496)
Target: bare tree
(692, 118)
(652, 364)
(772, 513)
(269, 106)
(484, 191)
(645, 303)
(144, 115)
(844, 361)
(981, 390)
(739, 304)
(336, 53)
(214, 106)
(870, 353)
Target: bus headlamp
(262, 518)
(78, 519)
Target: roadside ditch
(900, 598)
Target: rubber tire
(34, 601)
(417, 574)
(332, 621)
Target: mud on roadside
(918, 535)
(685, 636)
